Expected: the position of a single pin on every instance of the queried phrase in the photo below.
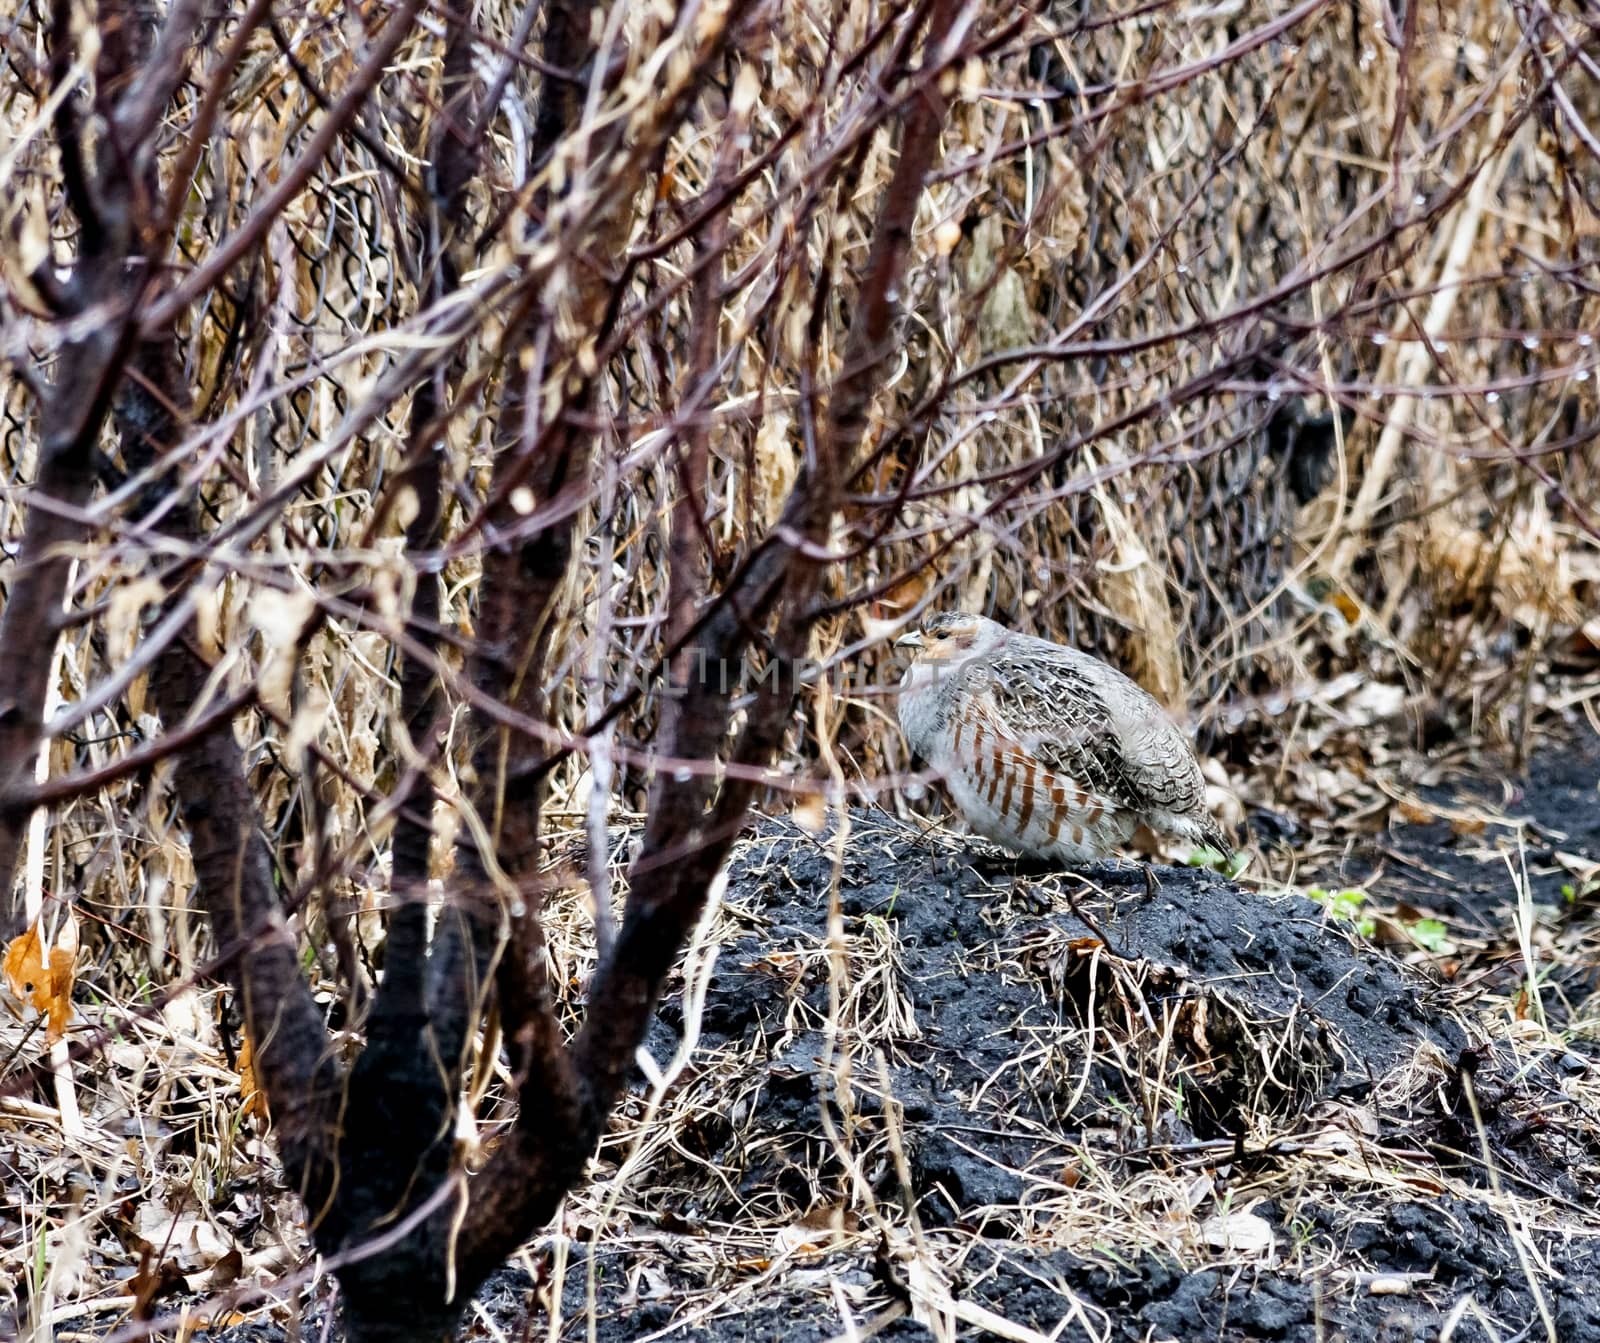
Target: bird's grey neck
(928, 692)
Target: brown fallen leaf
(251, 1096)
(46, 988)
(225, 1272)
(154, 1281)
(1347, 607)
(811, 813)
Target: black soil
(1456, 864)
(1036, 1062)
(994, 962)
(1493, 831)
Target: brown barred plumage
(1046, 749)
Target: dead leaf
(225, 1272)
(1239, 1233)
(811, 813)
(1197, 1016)
(152, 1282)
(831, 1217)
(1375, 702)
(901, 597)
(251, 1097)
(190, 1238)
(46, 989)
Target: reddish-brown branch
(686, 836)
(137, 761)
(70, 420)
(234, 877)
(520, 586)
(400, 1011)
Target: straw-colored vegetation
(438, 377)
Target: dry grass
(1081, 422)
(1100, 1091)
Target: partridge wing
(1152, 762)
(1162, 767)
(1062, 717)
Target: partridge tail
(1215, 836)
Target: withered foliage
(423, 419)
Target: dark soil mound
(1063, 1049)
(1123, 1106)
(1271, 1008)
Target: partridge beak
(910, 639)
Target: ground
(1193, 1112)
(1187, 1113)
(1128, 1105)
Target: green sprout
(1205, 856)
(1432, 935)
(1347, 905)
